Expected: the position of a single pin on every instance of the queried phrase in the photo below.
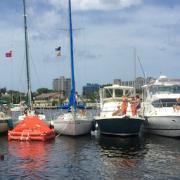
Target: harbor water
(91, 157)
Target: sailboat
(31, 125)
(73, 122)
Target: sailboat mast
(27, 57)
(73, 91)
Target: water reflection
(29, 157)
(125, 146)
(92, 157)
(122, 152)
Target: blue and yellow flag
(58, 50)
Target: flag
(8, 54)
(58, 50)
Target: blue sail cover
(72, 102)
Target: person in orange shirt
(124, 105)
(133, 106)
(121, 108)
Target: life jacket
(134, 107)
(124, 106)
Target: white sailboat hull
(164, 125)
(73, 125)
(3, 126)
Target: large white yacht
(161, 107)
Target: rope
(63, 129)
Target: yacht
(160, 107)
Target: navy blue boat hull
(120, 126)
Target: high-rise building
(140, 81)
(117, 81)
(62, 84)
(90, 89)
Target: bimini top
(116, 86)
(163, 81)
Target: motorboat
(114, 119)
(161, 107)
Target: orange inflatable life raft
(31, 129)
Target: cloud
(97, 4)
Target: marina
(119, 125)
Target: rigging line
(22, 74)
(34, 68)
(142, 69)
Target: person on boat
(118, 111)
(36, 113)
(133, 106)
(26, 111)
(176, 107)
(82, 112)
(121, 108)
(138, 100)
(124, 105)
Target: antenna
(142, 69)
(134, 71)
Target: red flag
(8, 54)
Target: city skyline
(105, 37)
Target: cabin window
(165, 90)
(118, 92)
(176, 89)
(129, 92)
(108, 93)
(164, 103)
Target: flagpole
(27, 57)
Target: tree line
(15, 97)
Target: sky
(106, 32)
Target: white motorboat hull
(5, 125)
(16, 109)
(163, 125)
(68, 124)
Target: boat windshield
(118, 92)
(164, 90)
(108, 93)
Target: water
(91, 157)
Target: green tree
(44, 90)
